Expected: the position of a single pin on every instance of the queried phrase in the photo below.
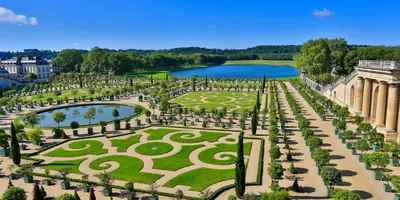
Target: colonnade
(386, 104)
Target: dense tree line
(320, 56)
(101, 60)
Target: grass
(128, 169)
(158, 134)
(123, 144)
(73, 165)
(88, 147)
(208, 177)
(207, 156)
(230, 140)
(64, 93)
(154, 148)
(261, 62)
(187, 137)
(217, 100)
(176, 161)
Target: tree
(115, 114)
(194, 79)
(254, 120)
(137, 110)
(92, 196)
(362, 145)
(32, 119)
(321, 157)
(263, 84)
(274, 152)
(315, 57)
(380, 159)
(396, 183)
(295, 186)
(44, 193)
(179, 195)
(342, 194)
(37, 193)
(314, 142)
(76, 196)
(59, 117)
(240, 170)
(95, 61)
(15, 153)
(69, 60)
(331, 175)
(89, 115)
(14, 193)
(66, 197)
(275, 170)
(258, 104)
(4, 138)
(291, 168)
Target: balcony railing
(379, 64)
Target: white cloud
(323, 13)
(7, 15)
(75, 44)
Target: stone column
(391, 113)
(359, 94)
(381, 104)
(366, 107)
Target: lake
(76, 113)
(239, 71)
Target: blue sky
(159, 24)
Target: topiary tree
(331, 175)
(37, 193)
(376, 138)
(295, 186)
(14, 193)
(15, 153)
(254, 121)
(66, 197)
(32, 119)
(275, 170)
(361, 145)
(59, 117)
(274, 152)
(240, 169)
(92, 196)
(179, 195)
(379, 159)
(314, 142)
(396, 183)
(129, 191)
(76, 196)
(349, 135)
(342, 194)
(291, 168)
(321, 157)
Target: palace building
(371, 91)
(32, 64)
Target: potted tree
(129, 191)
(358, 121)
(74, 125)
(376, 139)
(89, 115)
(153, 188)
(103, 125)
(341, 127)
(64, 172)
(348, 135)
(74, 93)
(387, 177)
(106, 181)
(394, 149)
(12, 175)
(4, 143)
(47, 180)
(380, 160)
(35, 136)
(332, 177)
(58, 117)
(321, 158)
(117, 122)
(26, 171)
(137, 110)
(314, 142)
(396, 184)
(86, 183)
(153, 105)
(91, 92)
(274, 153)
(362, 146)
(127, 123)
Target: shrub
(66, 197)
(331, 175)
(14, 193)
(275, 152)
(275, 170)
(295, 186)
(291, 168)
(275, 186)
(342, 194)
(396, 183)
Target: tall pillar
(381, 104)
(366, 107)
(359, 94)
(391, 113)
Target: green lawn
(128, 169)
(238, 101)
(201, 178)
(88, 147)
(187, 137)
(154, 148)
(73, 165)
(207, 156)
(161, 73)
(123, 144)
(64, 93)
(158, 134)
(176, 161)
(261, 62)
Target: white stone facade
(24, 65)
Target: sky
(164, 24)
